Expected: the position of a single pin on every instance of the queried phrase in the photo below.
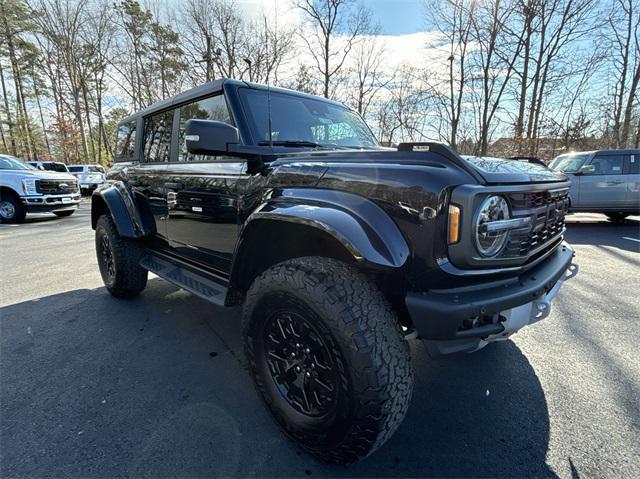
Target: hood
(38, 174)
(498, 170)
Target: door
(605, 187)
(633, 182)
(202, 194)
(147, 178)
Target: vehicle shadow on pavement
(157, 387)
(605, 234)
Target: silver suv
(89, 176)
(603, 181)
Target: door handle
(173, 186)
(616, 182)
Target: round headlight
(493, 208)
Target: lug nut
(308, 374)
(298, 345)
(298, 369)
(293, 355)
(307, 350)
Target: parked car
(25, 189)
(89, 176)
(49, 166)
(338, 250)
(530, 159)
(603, 181)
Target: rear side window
(608, 164)
(125, 142)
(75, 169)
(214, 108)
(95, 169)
(634, 161)
(157, 137)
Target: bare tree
(454, 20)
(334, 27)
(622, 38)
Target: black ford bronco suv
(337, 249)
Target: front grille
(56, 187)
(547, 210)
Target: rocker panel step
(186, 278)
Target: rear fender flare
(117, 200)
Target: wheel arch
(116, 200)
(7, 190)
(323, 223)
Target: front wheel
(327, 356)
(11, 209)
(119, 260)
(617, 217)
(62, 214)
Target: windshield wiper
(291, 143)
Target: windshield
(569, 163)
(96, 169)
(301, 121)
(12, 163)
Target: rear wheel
(11, 209)
(62, 214)
(617, 217)
(119, 260)
(327, 356)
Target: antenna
(269, 111)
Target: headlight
(29, 187)
(489, 241)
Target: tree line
(501, 77)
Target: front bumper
(492, 311)
(49, 203)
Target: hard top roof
(211, 87)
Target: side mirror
(586, 170)
(210, 137)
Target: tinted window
(157, 137)
(608, 165)
(634, 161)
(299, 118)
(96, 169)
(125, 141)
(214, 108)
(75, 169)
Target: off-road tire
(19, 211)
(128, 278)
(617, 217)
(62, 214)
(363, 335)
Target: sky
(396, 17)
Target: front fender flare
(362, 227)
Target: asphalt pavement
(92, 386)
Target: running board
(186, 278)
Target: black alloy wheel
(300, 364)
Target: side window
(634, 161)
(608, 164)
(157, 137)
(125, 141)
(213, 108)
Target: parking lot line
(631, 239)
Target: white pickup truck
(25, 189)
